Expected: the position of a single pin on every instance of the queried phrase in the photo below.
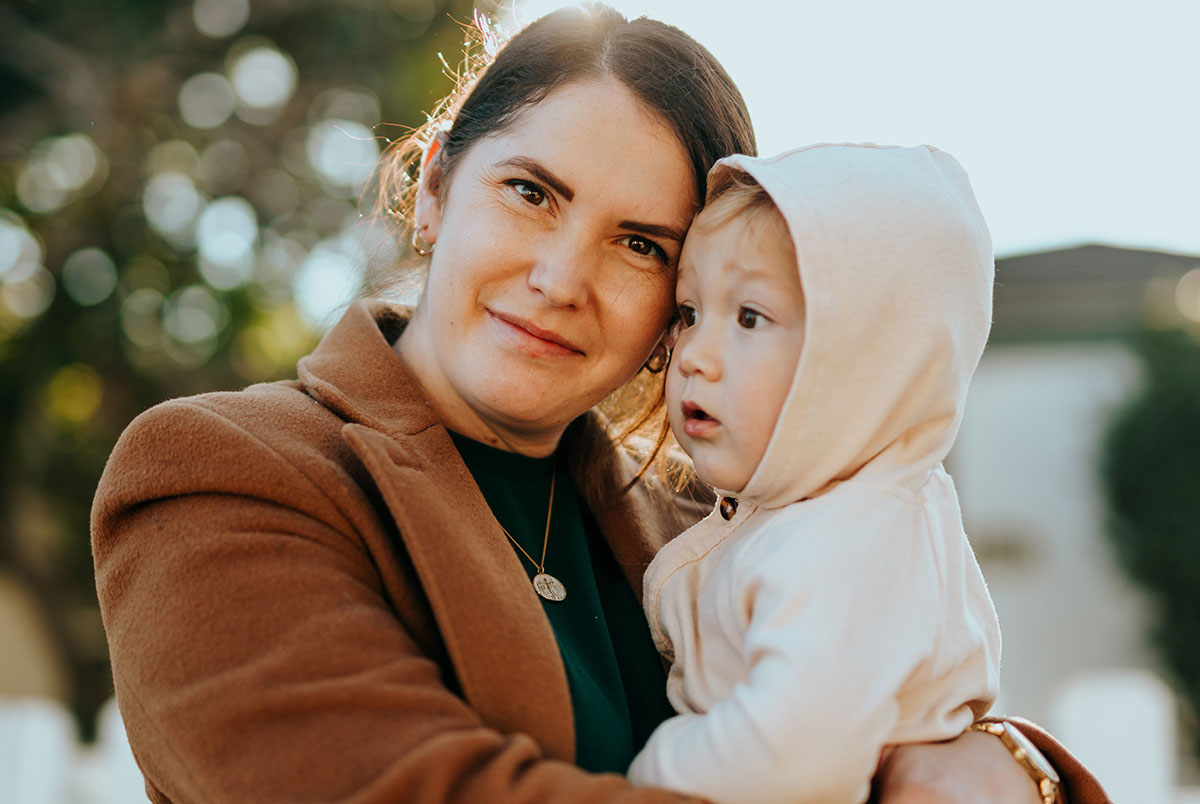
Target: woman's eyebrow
(656, 230)
(549, 179)
(556, 184)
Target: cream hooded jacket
(841, 609)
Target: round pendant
(549, 587)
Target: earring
(658, 359)
(422, 251)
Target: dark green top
(618, 690)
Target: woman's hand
(974, 768)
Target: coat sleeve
(832, 633)
(1079, 785)
(255, 655)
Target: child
(833, 303)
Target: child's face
(741, 331)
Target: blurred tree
(1151, 470)
(179, 188)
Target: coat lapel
(497, 635)
(501, 644)
(499, 640)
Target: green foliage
(73, 373)
(1151, 471)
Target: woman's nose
(563, 274)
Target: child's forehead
(741, 225)
(754, 243)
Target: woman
(320, 590)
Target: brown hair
(670, 72)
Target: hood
(896, 265)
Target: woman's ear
(427, 215)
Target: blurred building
(1026, 462)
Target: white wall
(1026, 467)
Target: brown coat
(307, 598)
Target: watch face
(1033, 757)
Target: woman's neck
(416, 352)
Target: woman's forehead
(603, 145)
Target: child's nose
(697, 353)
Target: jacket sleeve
(1079, 785)
(255, 655)
(825, 651)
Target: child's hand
(974, 768)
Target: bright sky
(1078, 120)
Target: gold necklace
(544, 584)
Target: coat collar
(479, 593)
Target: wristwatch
(1026, 754)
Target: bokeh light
(26, 287)
(74, 394)
(1187, 295)
(57, 170)
(171, 204)
(20, 252)
(271, 344)
(80, 160)
(89, 276)
(172, 156)
(343, 153)
(193, 315)
(226, 235)
(327, 279)
(278, 261)
(29, 296)
(141, 318)
(206, 100)
(359, 104)
(144, 271)
(263, 77)
(220, 18)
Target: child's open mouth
(697, 423)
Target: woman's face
(552, 278)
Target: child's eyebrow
(752, 272)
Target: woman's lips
(696, 422)
(532, 339)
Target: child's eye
(644, 246)
(528, 191)
(750, 319)
(687, 315)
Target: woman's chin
(529, 407)
(532, 396)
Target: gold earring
(422, 251)
(658, 359)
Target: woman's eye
(687, 315)
(529, 191)
(750, 319)
(645, 247)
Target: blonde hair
(733, 193)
